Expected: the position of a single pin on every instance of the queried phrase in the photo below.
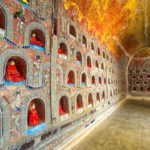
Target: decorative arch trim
(8, 20)
(36, 25)
(4, 57)
(24, 113)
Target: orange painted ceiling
(124, 24)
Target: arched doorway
(90, 100)
(89, 65)
(63, 108)
(93, 80)
(16, 71)
(2, 23)
(83, 79)
(71, 78)
(37, 40)
(78, 58)
(79, 104)
(62, 51)
(72, 31)
(36, 116)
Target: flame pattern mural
(124, 23)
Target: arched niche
(99, 80)
(104, 80)
(5, 21)
(90, 100)
(5, 57)
(37, 40)
(72, 31)
(63, 106)
(102, 66)
(36, 113)
(92, 46)
(79, 103)
(148, 89)
(62, 50)
(93, 80)
(97, 96)
(71, 78)
(83, 79)
(96, 64)
(84, 40)
(103, 95)
(89, 64)
(98, 51)
(141, 89)
(16, 71)
(104, 54)
(39, 29)
(78, 58)
(42, 110)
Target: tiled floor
(128, 128)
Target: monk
(61, 110)
(93, 81)
(12, 74)
(34, 41)
(33, 118)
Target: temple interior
(74, 74)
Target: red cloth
(69, 81)
(61, 111)
(78, 106)
(89, 66)
(60, 51)
(33, 118)
(13, 75)
(78, 59)
(93, 81)
(34, 41)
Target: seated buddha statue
(61, 110)
(89, 65)
(34, 41)
(60, 51)
(93, 81)
(12, 74)
(78, 106)
(78, 58)
(69, 81)
(33, 117)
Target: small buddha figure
(89, 65)
(93, 81)
(60, 51)
(78, 59)
(12, 74)
(69, 81)
(34, 41)
(33, 117)
(78, 106)
(61, 110)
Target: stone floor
(128, 128)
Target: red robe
(61, 111)
(89, 66)
(33, 118)
(93, 81)
(34, 41)
(13, 75)
(78, 59)
(60, 51)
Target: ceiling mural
(124, 24)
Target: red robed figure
(61, 110)
(12, 74)
(34, 41)
(33, 118)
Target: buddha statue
(12, 74)
(61, 110)
(34, 41)
(33, 117)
